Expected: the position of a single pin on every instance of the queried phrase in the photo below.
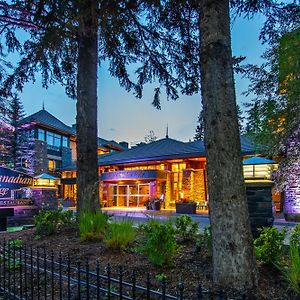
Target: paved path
(140, 216)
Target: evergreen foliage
(16, 143)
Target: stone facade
(40, 161)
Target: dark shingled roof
(161, 150)
(43, 117)
(105, 143)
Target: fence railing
(27, 273)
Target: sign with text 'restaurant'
(12, 180)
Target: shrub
(120, 235)
(160, 242)
(205, 240)
(186, 228)
(295, 236)
(47, 222)
(92, 225)
(268, 246)
(291, 272)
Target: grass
(120, 235)
(92, 226)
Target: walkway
(141, 215)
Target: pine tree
(16, 143)
(199, 134)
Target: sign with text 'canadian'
(12, 180)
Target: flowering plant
(186, 200)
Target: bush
(291, 272)
(186, 228)
(92, 225)
(268, 246)
(205, 240)
(120, 235)
(160, 242)
(47, 222)
(295, 236)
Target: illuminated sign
(12, 180)
(133, 174)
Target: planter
(292, 217)
(153, 204)
(186, 208)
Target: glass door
(144, 193)
(122, 195)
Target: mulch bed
(190, 267)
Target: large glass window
(50, 138)
(53, 139)
(57, 140)
(41, 134)
(65, 141)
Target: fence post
(20, 272)
(98, 279)
(108, 270)
(133, 284)
(60, 275)
(38, 271)
(14, 266)
(148, 286)
(199, 292)
(121, 282)
(180, 289)
(31, 272)
(78, 280)
(87, 278)
(221, 295)
(45, 274)
(25, 272)
(4, 263)
(8, 263)
(69, 276)
(52, 275)
(163, 286)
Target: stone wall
(40, 159)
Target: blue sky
(122, 117)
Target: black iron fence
(27, 273)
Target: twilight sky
(122, 117)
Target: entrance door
(129, 195)
(133, 196)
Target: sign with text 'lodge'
(12, 180)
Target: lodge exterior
(167, 169)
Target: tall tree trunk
(233, 259)
(86, 119)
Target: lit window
(51, 165)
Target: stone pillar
(259, 198)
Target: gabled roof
(108, 144)
(257, 160)
(43, 117)
(159, 150)
(45, 176)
